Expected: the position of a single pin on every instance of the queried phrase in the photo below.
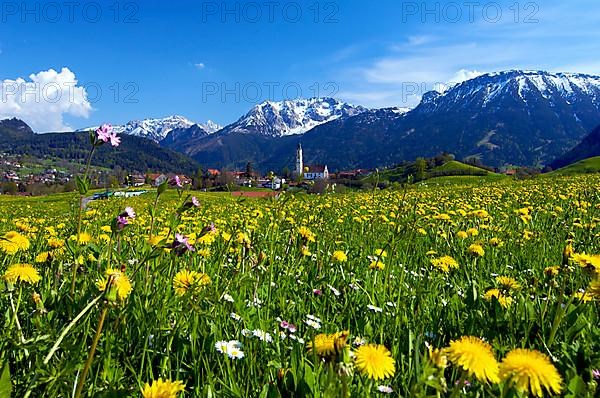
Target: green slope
(585, 166)
(456, 168)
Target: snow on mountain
(565, 88)
(210, 127)
(276, 119)
(158, 129)
(400, 110)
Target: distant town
(30, 177)
(26, 176)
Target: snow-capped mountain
(555, 88)
(512, 117)
(158, 129)
(277, 119)
(518, 117)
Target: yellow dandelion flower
(462, 234)
(568, 252)
(475, 356)
(55, 243)
(13, 242)
(323, 345)
(495, 242)
(508, 283)
(209, 238)
(306, 234)
(185, 281)
(381, 253)
(305, 251)
(155, 240)
(445, 263)
(476, 250)
(120, 286)
(42, 257)
(242, 238)
(552, 271)
(530, 371)
(591, 262)
(504, 300)
(374, 361)
(204, 252)
(162, 389)
(472, 232)
(339, 256)
(83, 239)
(438, 357)
(584, 297)
(21, 272)
(377, 264)
(104, 238)
(594, 289)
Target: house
(316, 172)
(136, 180)
(213, 172)
(309, 172)
(185, 180)
(351, 174)
(157, 179)
(274, 183)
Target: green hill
(450, 168)
(134, 153)
(456, 168)
(585, 166)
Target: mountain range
(158, 129)
(512, 117)
(503, 118)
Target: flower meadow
(471, 290)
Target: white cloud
(200, 66)
(419, 40)
(44, 99)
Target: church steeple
(299, 161)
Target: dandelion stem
(69, 327)
(79, 216)
(16, 318)
(90, 358)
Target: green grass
(586, 166)
(457, 168)
(264, 267)
(464, 180)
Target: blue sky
(215, 60)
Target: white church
(309, 172)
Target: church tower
(299, 161)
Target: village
(18, 179)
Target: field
(358, 294)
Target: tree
(225, 179)
(198, 179)
(319, 187)
(9, 188)
(420, 168)
(249, 170)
